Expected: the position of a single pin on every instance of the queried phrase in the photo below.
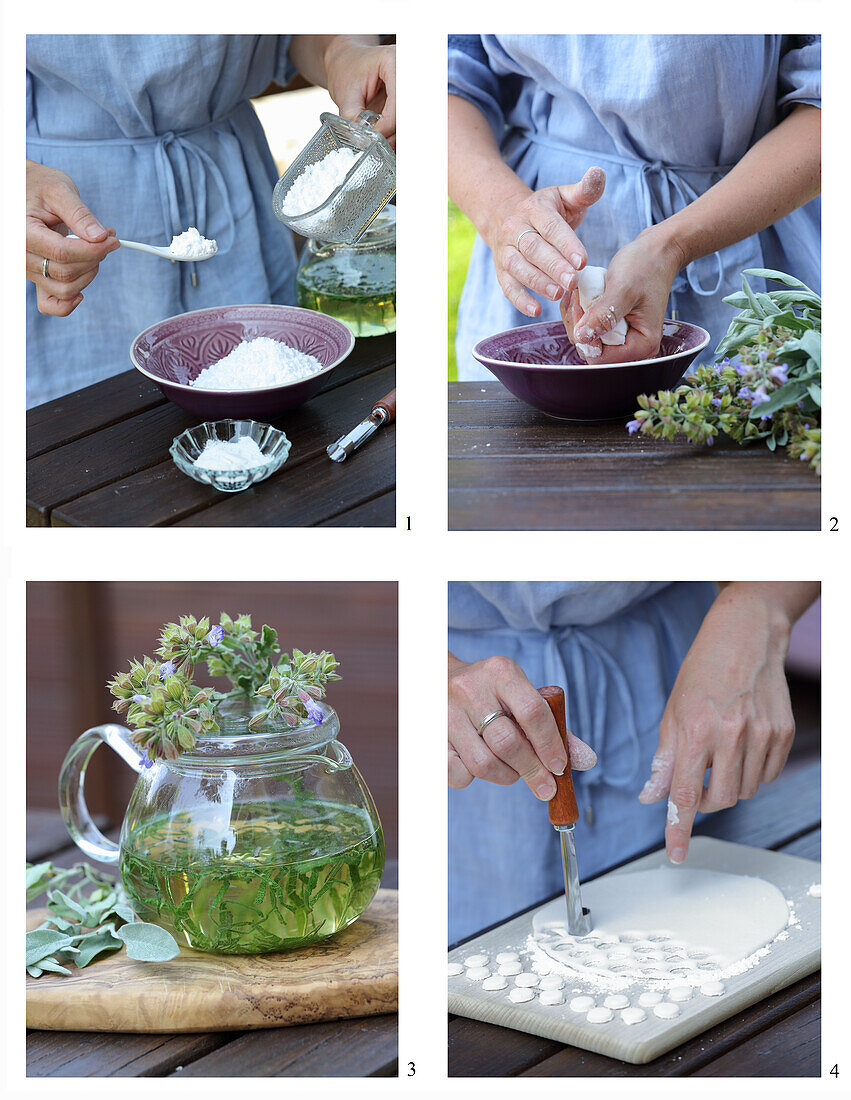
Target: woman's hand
(533, 240)
(729, 710)
(527, 745)
(54, 208)
(362, 76)
(638, 282)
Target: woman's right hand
(525, 744)
(534, 243)
(54, 208)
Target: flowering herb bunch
(771, 387)
(168, 711)
(88, 914)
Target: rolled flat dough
(730, 916)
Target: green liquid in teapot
(361, 293)
(279, 876)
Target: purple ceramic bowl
(174, 351)
(538, 364)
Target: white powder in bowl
(192, 246)
(315, 184)
(257, 365)
(232, 454)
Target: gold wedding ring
(488, 718)
(44, 268)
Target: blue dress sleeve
(284, 68)
(472, 78)
(799, 78)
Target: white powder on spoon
(258, 364)
(190, 245)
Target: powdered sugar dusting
(258, 364)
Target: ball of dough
(519, 994)
(616, 1000)
(551, 997)
(495, 981)
(510, 968)
(551, 981)
(600, 1016)
(507, 957)
(476, 960)
(665, 1010)
(582, 1004)
(526, 980)
(455, 968)
(633, 1015)
(477, 973)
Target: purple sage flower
(633, 426)
(780, 373)
(759, 397)
(745, 392)
(139, 698)
(167, 668)
(215, 636)
(314, 711)
(763, 355)
(715, 402)
(767, 416)
(147, 763)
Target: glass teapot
(250, 842)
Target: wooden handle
(562, 806)
(388, 403)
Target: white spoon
(161, 250)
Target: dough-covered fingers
(683, 803)
(507, 742)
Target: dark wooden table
(779, 1036)
(364, 1047)
(99, 458)
(513, 468)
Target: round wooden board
(354, 973)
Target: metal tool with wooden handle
(383, 412)
(564, 813)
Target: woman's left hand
(638, 283)
(363, 76)
(729, 711)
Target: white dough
(455, 968)
(673, 813)
(526, 980)
(666, 1010)
(600, 1016)
(649, 999)
(551, 981)
(616, 1000)
(713, 989)
(680, 993)
(477, 973)
(510, 968)
(729, 916)
(582, 1004)
(633, 1015)
(507, 957)
(815, 890)
(551, 997)
(518, 995)
(476, 960)
(591, 284)
(495, 981)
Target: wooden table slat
(94, 1054)
(353, 1048)
(376, 512)
(807, 846)
(792, 1048)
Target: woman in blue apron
(151, 134)
(662, 681)
(676, 161)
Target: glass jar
(356, 283)
(251, 842)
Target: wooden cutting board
(787, 962)
(354, 973)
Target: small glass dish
(188, 446)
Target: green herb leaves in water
(168, 712)
(289, 874)
(88, 914)
(770, 390)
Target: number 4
(835, 1071)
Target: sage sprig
(87, 914)
(771, 387)
(167, 711)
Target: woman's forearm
(776, 176)
(480, 183)
(309, 52)
(785, 601)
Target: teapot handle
(75, 813)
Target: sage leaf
(53, 966)
(68, 903)
(43, 942)
(34, 971)
(38, 871)
(94, 944)
(124, 911)
(148, 942)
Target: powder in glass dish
(231, 454)
(258, 364)
(315, 184)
